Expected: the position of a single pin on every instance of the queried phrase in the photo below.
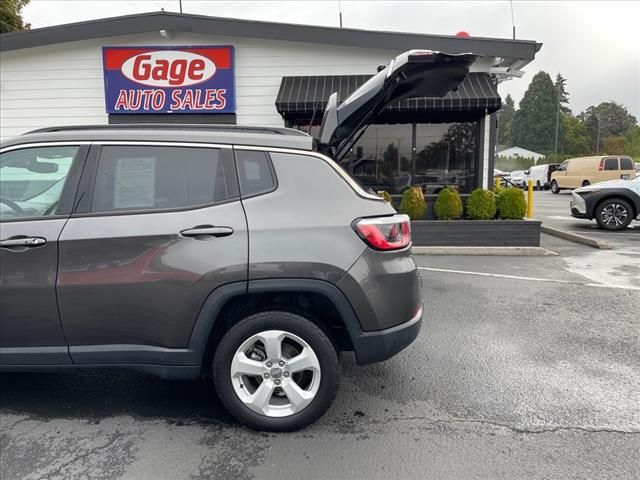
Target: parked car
(583, 171)
(517, 178)
(540, 175)
(613, 204)
(193, 250)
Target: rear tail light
(385, 233)
(601, 166)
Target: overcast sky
(594, 44)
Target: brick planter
(476, 233)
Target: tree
(534, 122)
(575, 140)
(560, 86)
(11, 16)
(505, 121)
(614, 145)
(614, 121)
(632, 143)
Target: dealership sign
(169, 79)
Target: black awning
(303, 98)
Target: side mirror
(42, 167)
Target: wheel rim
(614, 214)
(275, 373)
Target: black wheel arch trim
(592, 201)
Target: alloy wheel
(614, 214)
(275, 373)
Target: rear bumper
(372, 347)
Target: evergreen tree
(10, 16)
(535, 121)
(562, 94)
(505, 121)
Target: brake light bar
(601, 165)
(385, 233)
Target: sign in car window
(169, 79)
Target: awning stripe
(303, 94)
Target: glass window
(563, 166)
(445, 154)
(32, 180)
(611, 164)
(254, 170)
(158, 177)
(626, 164)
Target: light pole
(598, 136)
(555, 148)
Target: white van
(541, 175)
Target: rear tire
(280, 393)
(554, 187)
(614, 214)
(538, 185)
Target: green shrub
(511, 204)
(481, 205)
(385, 195)
(448, 205)
(413, 203)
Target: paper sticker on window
(135, 183)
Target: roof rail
(174, 126)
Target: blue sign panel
(169, 79)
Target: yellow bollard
(530, 199)
(497, 183)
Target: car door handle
(207, 231)
(26, 242)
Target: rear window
(626, 164)
(610, 164)
(255, 173)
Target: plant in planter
(385, 195)
(481, 205)
(511, 204)
(413, 203)
(448, 205)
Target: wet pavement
(510, 378)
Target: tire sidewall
(292, 323)
(554, 187)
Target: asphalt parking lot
(554, 210)
(528, 371)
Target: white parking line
(532, 279)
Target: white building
(280, 74)
(520, 152)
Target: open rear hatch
(416, 73)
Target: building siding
(62, 84)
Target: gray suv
(237, 252)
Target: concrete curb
(503, 251)
(574, 237)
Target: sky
(594, 44)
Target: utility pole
(598, 136)
(555, 148)
(340, 13)
(180, 3)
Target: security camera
(507, 71)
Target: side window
(255, 173)
(149, 177)
(610, 164)
(32, 180)
(626, 164)
(563, 167)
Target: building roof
(514, 52)
(518, 151)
